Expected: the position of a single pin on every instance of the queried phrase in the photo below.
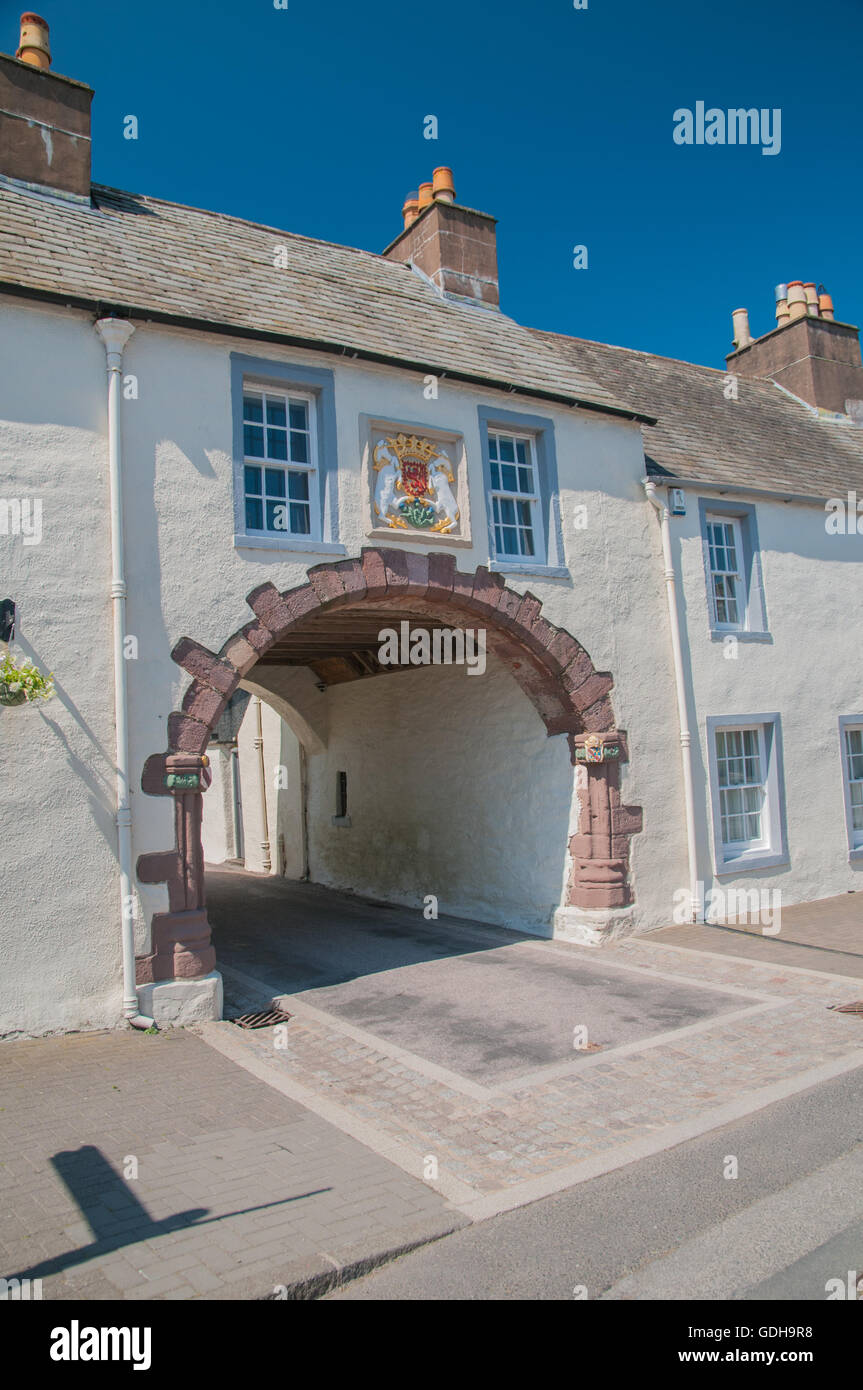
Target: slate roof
(150, 258)
(766, 440)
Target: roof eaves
(665, 479)
(107, 308)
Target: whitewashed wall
(61, 948)
(810, 673)
(454, 789)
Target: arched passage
(553, 669)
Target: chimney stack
(455, 247)
(44, 118)
(809, 352)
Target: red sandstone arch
(553, 669)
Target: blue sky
(555, 120)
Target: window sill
(344, 822)
(528, 567)
(718, 634)
(747, 864)
(308, 547)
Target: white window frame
(311, 469)
(770, 850)
(741, 595)
(738, 849)
(534, 498)
(850, 724)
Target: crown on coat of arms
(414, 448)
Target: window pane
(507, 511)
(741, 788)
(253, 441)
(299, 447)
(277, 444)
(276, 413)
(492, 446)
(299, 415)
(521, 451)
(495, 475)
(254, 514)
(253, 480)
(276, 516)
(299, 518)
(525, 480)
(509, 478)
(253, 409)
(507, 450)
(298, 486)
(275, 482)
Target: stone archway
(553, 669)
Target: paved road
(672, 1226)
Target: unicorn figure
(388, 469)
(444, 503)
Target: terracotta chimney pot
(825, 303)
(426, 195)
(410, 209)
(796, 299)
(35, 46)
(811, 299)
(742, 335)
(443, 186)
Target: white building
(298, 447)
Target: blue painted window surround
(732, 570)
(521, 493)
(851, 747)
(747, 792)
(285, 460)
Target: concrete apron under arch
(178, 981)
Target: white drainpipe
(115, 334)
(696, 905)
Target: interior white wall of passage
(217, 817)
(283, 785)
(454, 790)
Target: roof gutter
(737, 489)
(106, 309)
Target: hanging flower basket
(24, 684)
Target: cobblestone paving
(529, 1130)
(238, 1189)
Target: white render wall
(61, 946)
(454, 789)
(810, 673)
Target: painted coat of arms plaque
(414, 481)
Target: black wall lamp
(7, 620)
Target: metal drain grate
(854, 1008)
(265, 1019)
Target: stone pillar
(182, 954)
(599, 893)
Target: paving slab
(137, 1167)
